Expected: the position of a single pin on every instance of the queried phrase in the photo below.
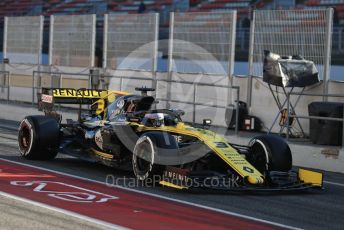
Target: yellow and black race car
(125, 131)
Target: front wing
(276, 181)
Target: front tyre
(38, 138)
(270, 153)
(143, 159)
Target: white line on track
(10, 137)
(63, 211)
(9, 142)
(333, 183)
(161, 197)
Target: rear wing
(75, 96)
(71, 96)
(51, 96)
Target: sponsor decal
(248, 169)
(176, 176)
(47, 98)
(221, 145)
(180, 177)
(178, 138)
(78, 93)
(120, 104)
(65, 192)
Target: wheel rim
(25, 139)
(259, 157)
(143, 158)
(142, 164)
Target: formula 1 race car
(124, 130)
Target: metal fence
(288, 32)
(23, 38)
(72, 40)
(50, 79)
(130, 41)
(202, 42)
(338, 40)
(242, 39)
(5, 83)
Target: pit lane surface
(310, 210)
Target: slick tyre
(143, 160)
(270, 153)
(38, 138)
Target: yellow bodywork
(219, 145)
(109, 96)
(169, 184)
(102, 154)
(314, 178)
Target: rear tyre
(38, 138)
(143, 160)
(270, 153)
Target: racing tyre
(143, 159)
(38, 138)
(270, 153)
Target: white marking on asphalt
(8, 136)
(63, 211)
(78, 195)
(9, 142)
(333, 183)
(161, 197)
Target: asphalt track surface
(315, 209)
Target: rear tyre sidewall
(26, 139)
(38, 138)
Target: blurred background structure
(164, 7)
(201, 55)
